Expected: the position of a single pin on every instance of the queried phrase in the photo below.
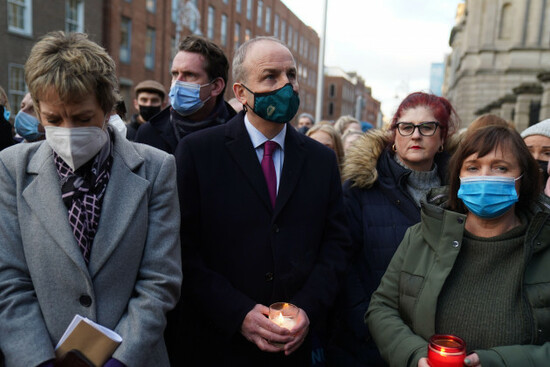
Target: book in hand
(97, 343)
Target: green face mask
(279, 105)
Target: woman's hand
(423, 362)
(472, 360)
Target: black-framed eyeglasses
(427, 128)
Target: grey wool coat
(134, 274)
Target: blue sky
(390, 43)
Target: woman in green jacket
(477, 266)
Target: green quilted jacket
(401, 315)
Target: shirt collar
(258, 138)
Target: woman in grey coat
(89, 223)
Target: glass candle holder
(283, 314)
(446, 351)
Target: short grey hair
(238, 70)
(308, 116)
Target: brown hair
(216, 63)
(74, 67)
(482, 142)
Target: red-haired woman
(387, 173)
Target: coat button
(85, 300)
(275, 228)
(397, 202)
(460, 220)
(456, 244)
(269, 277)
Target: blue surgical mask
(279, 105)
(488, 196)
(185, 97)
(6, 113)
(27, 126)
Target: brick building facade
(25, 21)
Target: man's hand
(258, 329)
(298, 332)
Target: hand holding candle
(283, 314)
(446, 351)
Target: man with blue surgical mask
(199, 76)
(245, 188)
(26, 124)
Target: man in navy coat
(249, 238)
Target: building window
(276, 26)
(283, 30)
(150, 48)
(238, 6)
(506, 20)
(295, 43)
(151, 5)
(175, 6)
(210, 29)
(223, 30)
(237, 36)
(268, 19)
(290, 36)
(125, 40)
(249, 9)
(331, 109)
(20, 16)
(331, 90)
(226, 1)
(16, 86)
(259, 14)
(74, 15)
(247, 34)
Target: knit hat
(541, 128)
(150, 86)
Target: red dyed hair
(441, 108)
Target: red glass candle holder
(446, 351)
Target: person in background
(476, 266)
(305, 122)
(26, 124)
(387, 173)
(199, 76)
(537, 139)
(345, 123)
(150, 99)
(330, 138)
(349, 138)
(89, 222)
(262, 221)
(6, 131)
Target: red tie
(269, 170)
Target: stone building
(500, 52)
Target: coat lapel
(125, 192)
(240, 147)
(293, 161)
(43, 196)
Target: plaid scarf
(82, 192)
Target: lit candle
(446, 351)
(287, 322)
(283, 314)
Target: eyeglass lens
(425, 128)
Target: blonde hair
(4, 99)
(343, 122)
(334, 135)
(74, 67)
